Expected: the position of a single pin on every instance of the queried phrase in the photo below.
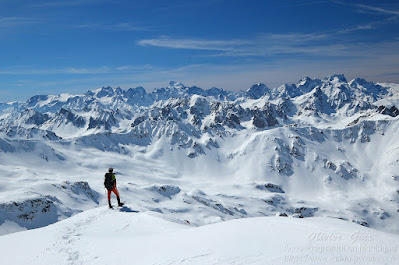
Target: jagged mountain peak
(177, 85)
(257, 91)
(305, 79)
(287, 91)
(136, 91)
(215, 90)
(336, 78)
(182, 89)
(35, 99)
(367, 87)
(359, 81)
(327, 96)
(307, 84)
(108, 92)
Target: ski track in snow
(204, 259)
(65, 242)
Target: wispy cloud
(130, 68)
(9, 22)
(358, 28)
(364, 7)
(335, 43)
(194, 44)
(124, 26)
(368, 26)
(378, 9)
(74, 70)
(293, 37)
(264, 45)
(86, 71)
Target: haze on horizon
(53, 47)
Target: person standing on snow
(110, 184)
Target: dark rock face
(270, 187)
(77, 121)
(138, 120)
(302, 212)
(34, 117)
(391, 111)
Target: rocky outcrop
(30, 213)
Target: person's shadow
(127, 210)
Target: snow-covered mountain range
(321, 147)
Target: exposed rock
(302, 212)
(77, 121)
(281, 214)
(391, 111)
(30, 213)
(270, 187)
(165, 190)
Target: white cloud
(194, 44)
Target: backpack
(109, 181)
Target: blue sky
(53, 47)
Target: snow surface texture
(318, 148)
(102, 236)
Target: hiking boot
(119, 202)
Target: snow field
(103, 236)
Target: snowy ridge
(145, 238)
(318, 148)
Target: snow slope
(103, 236)
(317, 149)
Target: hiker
(110, 184)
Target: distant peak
(215, 88)
(359, 81)
(258, 86)
(138, 90)
(336, 78)
(105, 91)
(307, 84)
(305, 80)
(175, 84)
(257, 91)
